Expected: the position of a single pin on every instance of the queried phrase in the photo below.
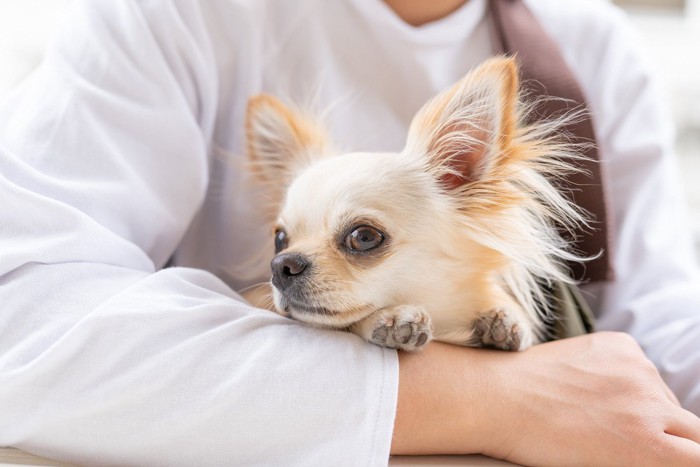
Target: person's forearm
(439, 404)
(592, 400)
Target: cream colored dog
(450, 239)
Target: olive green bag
(572, 315)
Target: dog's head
(362, 231)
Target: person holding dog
(127, 226)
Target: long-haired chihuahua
(455, 238)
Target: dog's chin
(319, 315)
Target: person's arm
(105, 358)
(590, 400)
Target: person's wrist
(446, 401)
(495, 389)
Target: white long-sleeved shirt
(124, 150)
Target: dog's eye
(363, 238)
(281, 240)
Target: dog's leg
(500, 329)
(404, 327)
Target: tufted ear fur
(465, 130)
(281, 142)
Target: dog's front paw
(497, 330)
(402, 327)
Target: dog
(454, 239)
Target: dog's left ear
(281, 142)
(465, 130)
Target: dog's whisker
(251, 287)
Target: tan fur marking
(297, 142)
(509, 97)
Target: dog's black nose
(286, 268)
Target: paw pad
(405, 328)
(495, 330)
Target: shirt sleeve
(656, 293)
(105, 357)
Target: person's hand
(590, 400)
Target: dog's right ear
(466, 131)
(281, 142)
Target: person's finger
(686, 452)
(685, 424)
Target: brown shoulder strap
(545, 73)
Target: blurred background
(669, 31)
